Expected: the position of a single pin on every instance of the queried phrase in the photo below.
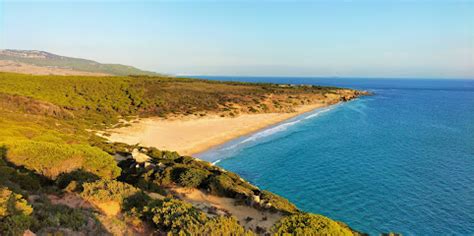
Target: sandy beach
(191, 135)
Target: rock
(256, 199)
(140, 157)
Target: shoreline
(195, 135)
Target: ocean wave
(278, 128)
(319, 112)
(236, 145)
(270, 131)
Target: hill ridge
(43, 62)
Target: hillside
(57, 176)
(45, 63)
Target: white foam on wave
(319, 112)
(249, 140)
(279, 128)
(270, 131)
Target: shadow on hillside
(48, 217)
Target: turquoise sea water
(401, 160)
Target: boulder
(139, 156)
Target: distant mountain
(40, 62)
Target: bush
(308, 224)
(76, 178)
(223, 225)
(14, 225)
(176, 216)
(56, 216)
(52, 159)
(192, 177)
(107, 190)
(14, 213)
(13, 204)
(224, 185)
(278, 202)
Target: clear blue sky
(286, 38)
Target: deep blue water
(401, 160)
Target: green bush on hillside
(15, 177)
(308, 224)
(14, 213)
(224, 185)
(192, 177)
(52, 159)
(107, 190)
(176, 216)
(224, 225)
(278, 202)
(74, 180)
(48, 215)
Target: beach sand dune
(191, 135)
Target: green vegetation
(172, 215)
(52, 159)
(103, 99)
(278, 202)
(192, 177)
(47, 215)
(309, 224)
(181, 218)
(14, 213)
(107, 190)
(167, 169)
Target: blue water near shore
(401, 160)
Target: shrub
(52, 159)
(48, 215)
(223, 225)
(13, 204)
(14, 213)
(308, 224)
(223, 185)
(176, 216)
(192, 177)
(278, 202)
(76, 178)
(10, 176)
(14, 225)
(107, 190)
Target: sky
(413, 39)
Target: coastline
(194, 135)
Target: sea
(400, 161)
